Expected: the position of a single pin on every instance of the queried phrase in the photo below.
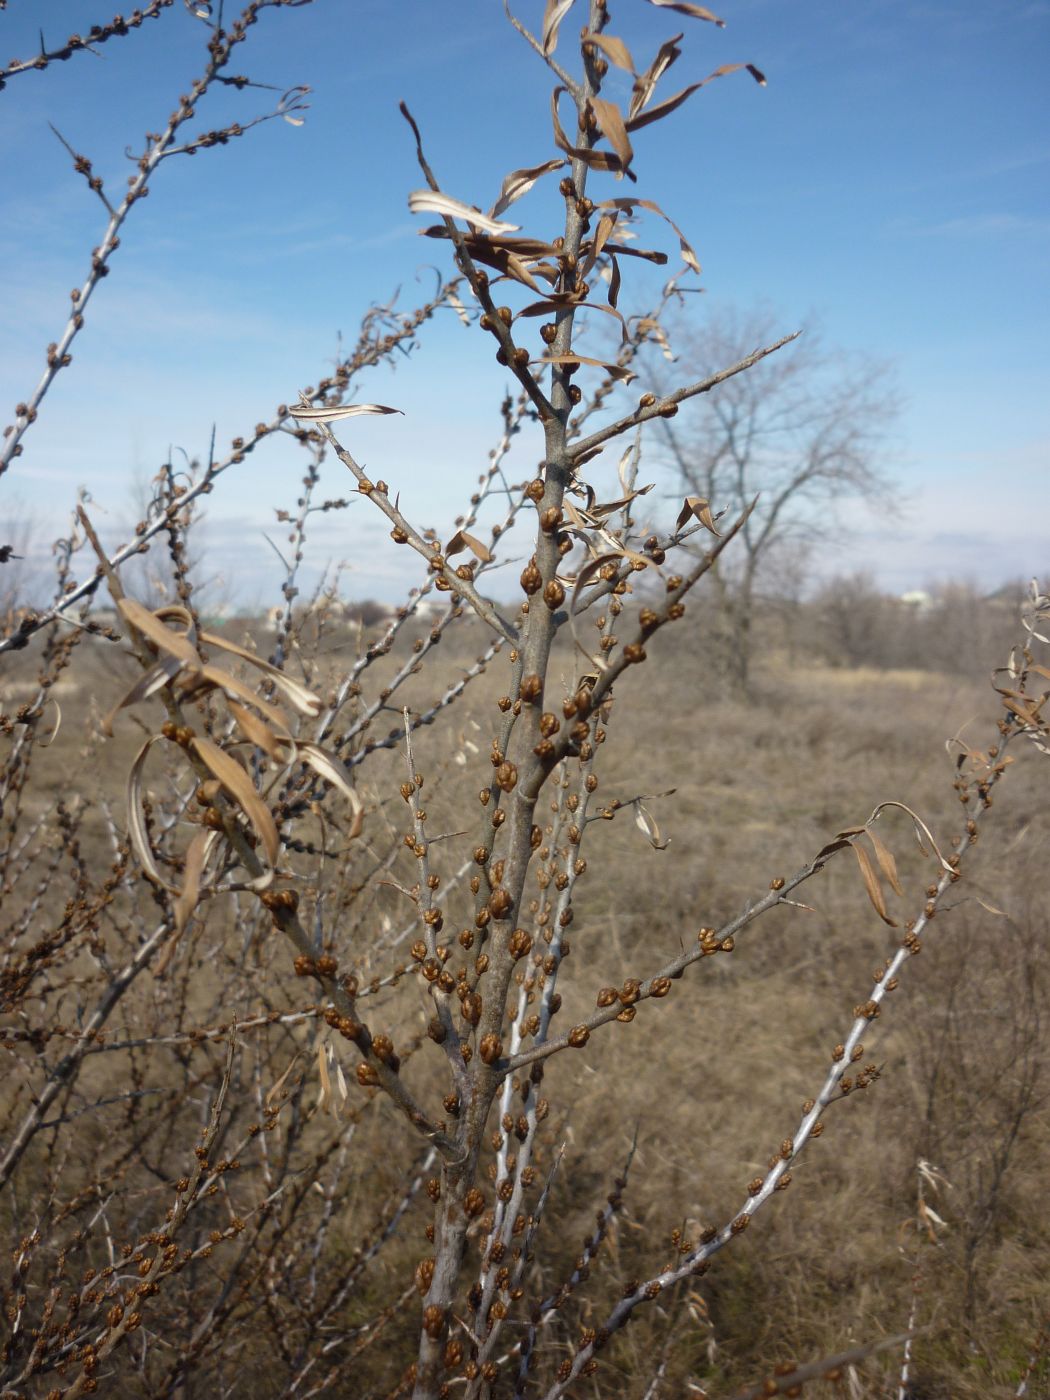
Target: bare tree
(802, 431)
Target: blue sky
(891, 180)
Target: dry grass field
(866, 1242)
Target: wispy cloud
(988, 225)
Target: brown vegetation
(305, 1094)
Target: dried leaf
(629, 205)
(610, 119)
(519, 182)
(300, 696)
(461, 540)
(175, 644)
(596, 160)
(670, 104)
(553, 14)
(239, 786)
(256, 731)
(615, 50)
(646, 822)
(921, 829)
(332, 771)
(613, 370)
(186, 900)
(698, 508)
(224, 681)
(274, 1093)
(308, 414)
(156, 678)
(325, 1096)
(645, 85)
(693, 11)
(138, 833)
(434, 202)
(887, 864)
(871, 883)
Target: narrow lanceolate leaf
(329, 768)
(628, 206)
(322, 414)
(553, 15)
(646, 822)
(257, 731)
(887, 864)
(519, 182)
(693, 11)
(613, 370)
(214, 678)
(669, 104)
(186, 900)
(615, 50)
(610, 119)
(156, 678)
(698, 508)
(324, 1099)
(138, 833)
(274, 1094)
(871, 883)
(300, 696)
(595, 159)
(175, 644)
(645, 85)
(434, 202)
(239, 786)
(461, 540)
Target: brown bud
(433, 1322)
(424, 1276)
(579, 1036)
(554, 594)
(531, 578)
(490, 1048)
(507, 776)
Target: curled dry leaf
(871, 883)
(256, 730)
(699, 508)
(156, 678)
(274, 1094)
(332, 771)
(693, 11)
(611, 121)
(324, 1098)
(614, 371)
(595, 160)
(628, 205)
(434, 202)
(308, 413)
(645, 821)
(176, 644)
(887, 864)
(553, 14)
(300, 696)
(461, 540)
(212, 678)
(670, 104)
(239, 786)
(138, 833)
(519, 182)
(921, 829)
(645, 84)
(615, 50)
